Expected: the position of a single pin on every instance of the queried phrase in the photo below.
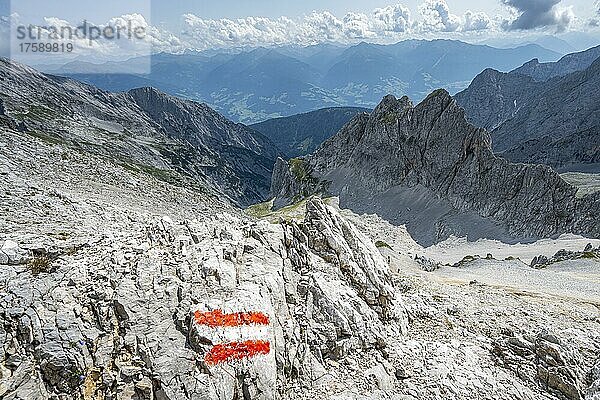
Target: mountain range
(131, 271)
(541, 112)
(426, 167)
(144, 129)
(301, 134)
(258, 84)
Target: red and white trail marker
(242, 335)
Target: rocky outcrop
(549, 361)
(534, 120)
(136, 288)
(426, 166)
(570, 63)
(12, 254)
(589, 252)
(114, 316)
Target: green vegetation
(36, 112)
(163, 175)
(381, 244)
(467, 259)
(389, 117)
(589, 255)
(48, 138)
(300, 170)
(40, 264)
(292, 212)
(260, 210)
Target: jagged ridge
(427, 167)
(143, 129)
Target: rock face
(301, 134)
(113, 315)
(549, 118)
(143, 129)
(550, 362)
(136, 288)
(570, 63)
(427, 167)
(12, 254)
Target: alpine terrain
(254, 84)
(541, 113)
(152, 249)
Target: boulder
(12, 254)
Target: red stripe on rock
(218, 318)
(222, 353)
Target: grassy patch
(589, 255)
(265, 211)
(260, 210)
(381, 244)
(46, 137)
(164, 175)
(300, 170)
(389, 117)
(40, 264)
(35, 112)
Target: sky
(169, 12)
(177, 25)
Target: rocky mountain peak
(541, 112)
(391, 104)
(429, 168)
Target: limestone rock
(11, 253)
(533, 118)
(428, 168)
(549, 361)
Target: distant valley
(260, 84)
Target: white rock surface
(133, 258)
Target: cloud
(531, 14)
(113, 39)
(594, 22)
(437, 17)
(394, 18)
(315, 27)
(476, 21)
(391, 23)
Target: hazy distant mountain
(549, 42)
(254, 85)
(541, 113)
(301, 134)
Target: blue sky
(177, 25)
(169, 11)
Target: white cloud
(386, 24)
(594, 22)
(313, 28)
(476, 21)
(394, 18)
(437, 17)
(357, 26)
(532, 14)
